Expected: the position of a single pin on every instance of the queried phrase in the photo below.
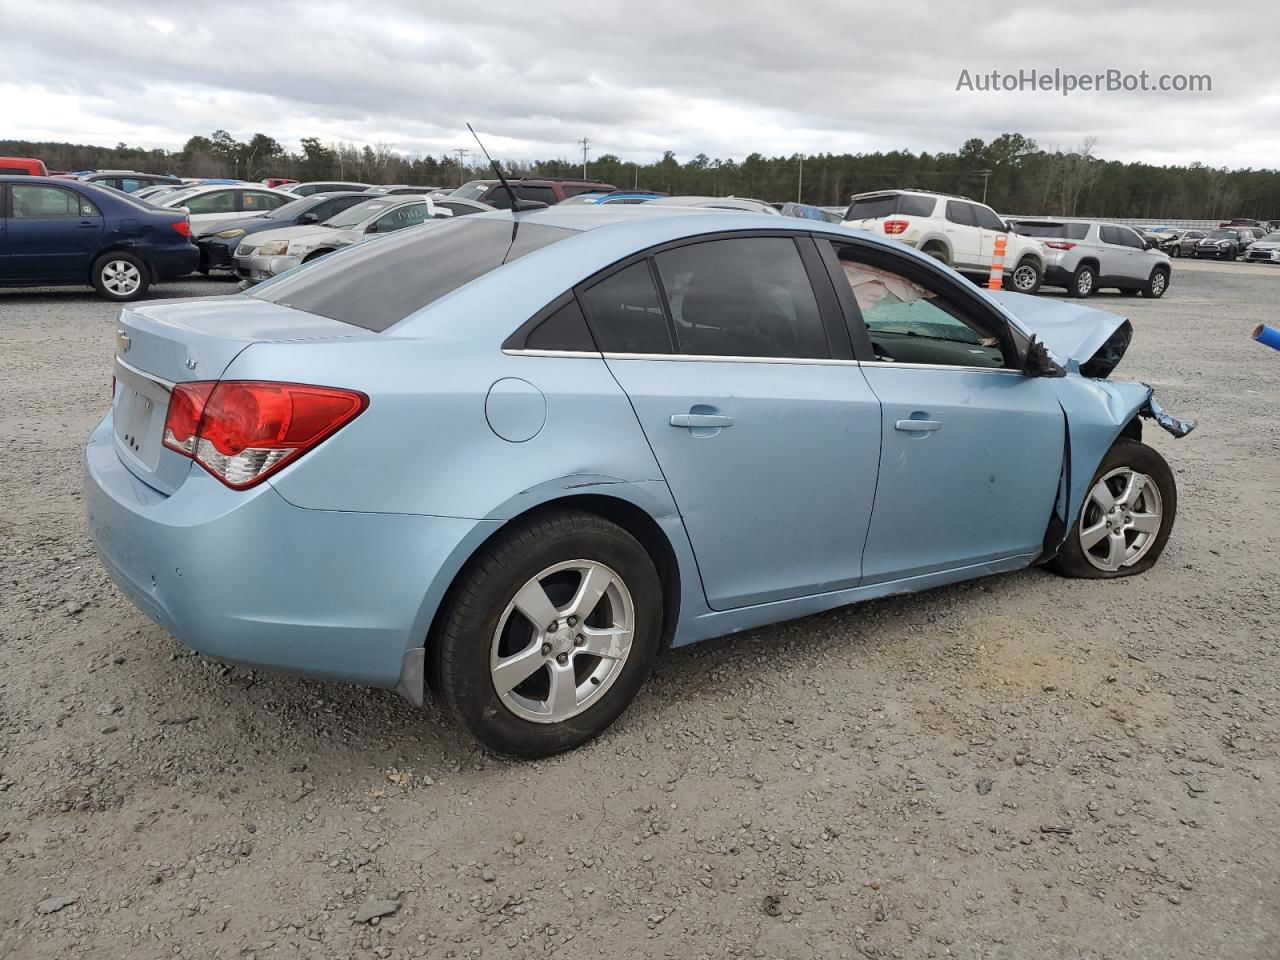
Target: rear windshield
(1067, 231)
(906, 204)
(380, 282)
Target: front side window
(1130, 239)
(544, 194)
(986, 218)
(218, 201)
(49, 202)
(910, 321)
(625, 312)
(747, 297)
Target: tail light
(895, 226)
(242, 431)
(182, 226)
(1059, 244)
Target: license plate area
(141, 403)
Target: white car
(717, 203)
(958, 231)
(263, 255)
(212, 202)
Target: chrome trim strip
(945, 366)
(160, 381)
(551, 353)
(941, 366)
(694, 358)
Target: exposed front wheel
(1126, 518)
(1083, 281)
(1157, 284)
(1026, 277)
(550, 635)
(120, 277)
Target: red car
(277, 181)
(22, 166)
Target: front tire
(550, 634)
(1157, 284)
(1126, 518)
(1026, 277)
(120, 277)
(1084, 282)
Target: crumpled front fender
(1097, 411)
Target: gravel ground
(1022, 766)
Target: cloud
(718, 78)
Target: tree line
(1013, 172)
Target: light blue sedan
(515, 458)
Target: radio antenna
(516, 203)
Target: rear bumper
(169, 263)
(248, 578)
(1057, 275)
(215, 255)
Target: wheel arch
(623, 512)
(938, 240)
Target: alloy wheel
(1121, 519)
(562, 641)
(1024, 277)
(1157, 283)
(121, 278)
(1084, 283)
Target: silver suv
(1085, 256)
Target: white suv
(958, 231)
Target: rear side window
(1108, 234)
(564, 329)
(914, 206)
(626, 314)
(374, 285)
(747, 297)
(36, 201)
(960, 212)
(219, 201)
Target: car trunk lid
(162, 343)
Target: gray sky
(716, 77)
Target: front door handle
(918, 426)
(700, 420)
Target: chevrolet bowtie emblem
(122, 342)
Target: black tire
(120, 277)
(1157, 284)
(1071, 560)
(1175, 250)
(1027, 267)
(463, 643)
(1084, 282)
(937, 251)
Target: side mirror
(1151, 244)
(308, 218)
(186, 210)
(1039, 363)
(371, 228)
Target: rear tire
(1084, 282)
(1132, 503)
(564, 691)
(937, 251)
(120, 277)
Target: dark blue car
(223, 236)
(62, 232)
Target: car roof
(915, 192)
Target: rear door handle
(918, 426)
(700, 420)
(87, 225)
